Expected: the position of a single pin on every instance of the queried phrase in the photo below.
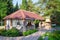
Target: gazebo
(21, 19)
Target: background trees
(31, 6)
(16, 7)
(46, 7)
(3, 9)
(53, 7)
(6, 8)
(24, 5)
(50, 8)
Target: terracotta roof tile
(22, 14)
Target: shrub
(51, 36)
(36, 23)
(29, 32)
(10, 33)
(2, 31)
(40, 38)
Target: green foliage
(40, 38)
(10, 33)
(24, 5)
(29, 32)
(3, 9)
(36, 23)
(54, 6)
(2, 31)
(56, 18)
(51, 36)
(9, 7)
(16, 7)
(31, 6)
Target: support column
(40, 25)
(24, 28)
(8, 24)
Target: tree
(9, 7)
(24, 5)
(16, 7)
(55, 5)
(3, 9)
(30, 5)
(52, 9)
(41, 4)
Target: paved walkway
(33, 36)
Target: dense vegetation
(14, 32)
(29, 32)
(46, 7)
(51, 36)
(10, 33)
(6, 8)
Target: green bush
(40, 38)
(2, 31)
(14, 32)
(11, 32)
(51, 36)
(36, 23)
(29, 32)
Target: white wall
(14, 23)
(8, 22)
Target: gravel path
(33, 36)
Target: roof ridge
(23, 15)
